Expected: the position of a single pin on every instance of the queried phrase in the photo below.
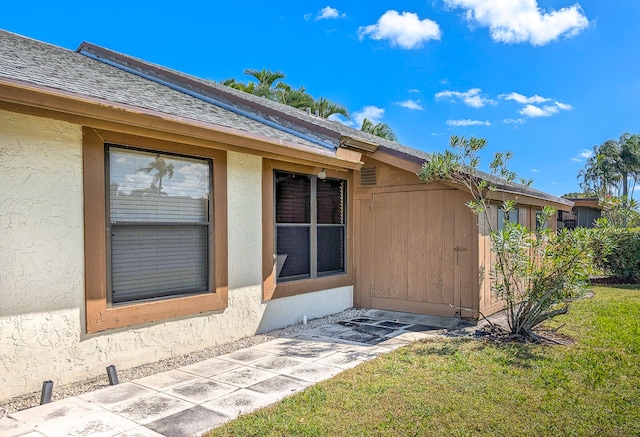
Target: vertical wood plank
(382, 245)
(399, 235)
(417, 261)
(433, 247)
(365, 255)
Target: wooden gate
(416, 253)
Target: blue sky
(546, 79)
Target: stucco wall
(41, 268)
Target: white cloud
(514, 121)
(371, 112)
(564, 106)
(406, 30)
(411, 104)
(470, 98)
(536, 111)
(583, 155)
(544, 111)
(467, 122)
(535, 170)
(532, 106)
(518, 21)
(328, 13)
(517, 97)
(413, 90)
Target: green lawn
(471, 387)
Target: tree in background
(612, 166)
(608, 172)
(326, 108)
(381, 130)
(281, 92)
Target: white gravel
(60, 392)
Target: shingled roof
(113, 77)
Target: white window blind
(160, 226)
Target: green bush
(622, 259)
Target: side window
(540, 224)
(503, 217)
(310, 226)
(160, 229)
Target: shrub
(535, 273)
(622, 259)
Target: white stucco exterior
(42, 273)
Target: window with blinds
(159, 212)
(310, 226)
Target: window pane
(153, 187)
(152, 261)
(330, 201)
(293, 198)
(293, 260)
(330, 249)
(159, 214)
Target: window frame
(100, 313)
(209, 224)
(273, 289)
(314, 227)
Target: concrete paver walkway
(196, 398)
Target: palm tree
(162, 169)
(246, 87)
(325, 108)
(381, 130)
(297, 98)
(266, 79)
(608, 171)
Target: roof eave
(88, 110)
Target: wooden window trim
(100, 315)
(270, 288)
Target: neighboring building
(585, 212)
(145, 213)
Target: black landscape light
(113, 376)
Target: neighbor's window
(504, 217)
(160, 225)
(310, 226)
(540, 223)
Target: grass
(464, 387)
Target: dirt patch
(541, 335)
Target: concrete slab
(344, 360)
(210, 367)
(297, 348)
(201, 391)
(278, 363)
(10, 427)
(314, 372)
(140, 431)
(94, 423)
(245, 356)
(243, 376)
(280, 386)
(166, 380)
(240, 402)
(410, 318)
(194, 421)
(69, 408)
(116, 394)
(148, 409)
